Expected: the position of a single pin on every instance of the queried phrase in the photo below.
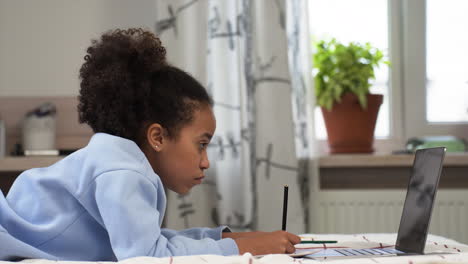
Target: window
(426, 89)
(436, 75)
(446, 69)
(351, 22)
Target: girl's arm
(235, 235)
(197, 233)
(129, 205)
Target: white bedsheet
(435, 244)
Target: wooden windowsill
(384, 160)
(326, 161)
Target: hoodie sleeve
(129, 207)
(198, 233)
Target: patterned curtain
(247, 54)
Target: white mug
(39, 132)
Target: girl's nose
(204, 163)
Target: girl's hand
(278, 242)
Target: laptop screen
(422, 188)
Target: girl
(106, 202)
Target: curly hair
(126, 83)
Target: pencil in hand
(285, 207)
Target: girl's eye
(203, 145)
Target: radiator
(380, 212)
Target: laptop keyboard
(367, 251)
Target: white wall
(42, 43)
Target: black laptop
(417, 210)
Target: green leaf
(339, 69)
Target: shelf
(25, 163)
(384, 160)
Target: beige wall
(42, 43)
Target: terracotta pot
(350, 128)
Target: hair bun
(136, 49)
(147, 52)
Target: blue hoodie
(103, 202)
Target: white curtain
(249, 55)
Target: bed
(443, 251)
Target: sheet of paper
(325, 253)
(301, 252)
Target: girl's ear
(156, 136)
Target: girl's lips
(199, 180)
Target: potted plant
(342, 81)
